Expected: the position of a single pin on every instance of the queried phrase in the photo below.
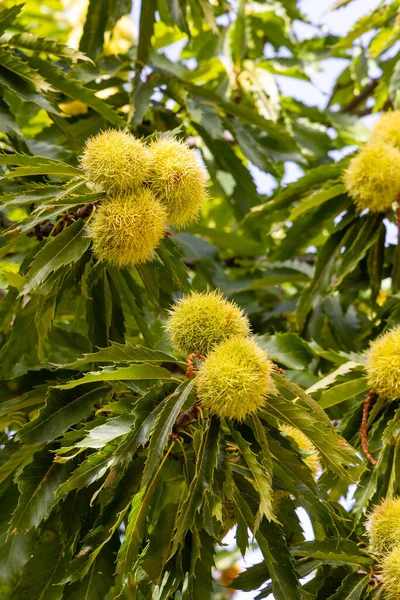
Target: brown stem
(191, 367)
(277, 369)
(186, 417)
(364, 426)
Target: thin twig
(363, 95)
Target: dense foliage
(115, 480)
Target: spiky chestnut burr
(125, 230)
(387, 129)
(372, 178)
(200, 320)
(234, 379)
(383, 526)
(383, 365)
(178, 179)
(391, 574)
(115, 162)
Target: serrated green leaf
(155, 557)
(375, 262)
(105, 525)
(37, 484)
(322, 276)
(343, 391)
(96, 584)
(14, 279)
(8, 123)
(95, 26)
(133, 372)
(40, 194)
(290, 470)
(8, 16)
(30, 41)
(371, 20)
(306, 230)
(205, 466)
(302, 568)
(76, 199)
(44, 570)
(392, 429)
(346, 367)
(171, 256)
(76, 90)
(146, 415)
(334, 551)
(163, 428)
(64, 249)
(19, 67)
(35, 397)
(15, 550)
(273, 546)
(15, 234)
(316, 199)
(137, 524)
(302, 398)
(135, 530)
(21, 342)
(284, 197)
(130, 291)
(16, 462)
(37, 165)
(238, 40)
(366, 237)
(117, 353)
(261, 438)
(24, 90)
(252, 578)
(44, 319)
(394, 87)
(261, 477)
(287, 349)
(113, 428)
(89, 471)
(141, 100)
(62, 409)
(200, 585)
(335, 451)
(352, 587)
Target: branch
(363, 95)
